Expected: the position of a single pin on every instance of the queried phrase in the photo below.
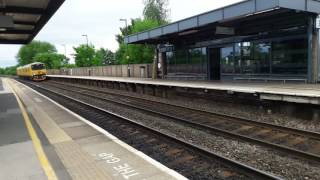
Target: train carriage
(34, 71)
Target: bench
(271, 79)
(185, 76)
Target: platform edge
(115, 139)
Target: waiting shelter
(253, 39)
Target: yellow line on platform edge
(35, 139)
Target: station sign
(166, 48)
(225, 30)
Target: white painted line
(6, 89)
(115, 139)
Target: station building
(253, 39)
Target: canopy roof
(29, 17)
(232, 12)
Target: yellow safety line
(36, 141)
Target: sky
(99, 19)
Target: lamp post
(85, 35)
(65, 49)
(127, 54)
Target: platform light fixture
(65, 49)
(6, 22)
(188, 32)
(85, 35)
(127, 33)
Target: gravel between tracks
(244, 111)
(253, 155)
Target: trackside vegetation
(155, 13)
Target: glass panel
(187, 61)
(261, 58)
(227, 62)
(196, 60)
(256, 57)
(247, 60)
(181, 57)
(181, 61)
(205, 61)
(237, 58)
(170, 62)
(290, 57)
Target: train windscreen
(37, 66)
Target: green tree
(85, 56)
(70, 66)
(156, 10)
(52, 60)
(106, 56)
(27, 52)
(8, 71)
(12, 71)
(109, 57)
(1, 70)
(125, 31)
(137, 53)
(155, 13)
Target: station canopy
(229, 20)
(21, 20)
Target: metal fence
(136, 70)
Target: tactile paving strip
(78, 163)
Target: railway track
(190, 160)
(300, 143)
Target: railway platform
(286, 92)
(40, 139)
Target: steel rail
(309, 134)
(286, 149)
(228, 162)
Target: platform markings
(36, 141)
(5, 89)
(123, 169)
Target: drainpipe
(313, 48)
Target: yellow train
(34, 71)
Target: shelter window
(290, 57)
(247, 58)
(261, 57)
(204, 60)
(196, 60)
(256, 58)
(193, 61)
(182, 65)
(227, 60)
(170, 61)
(237, 58)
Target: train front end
(39, 72)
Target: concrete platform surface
(78, 149)
(271, 91)
(18, 158)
